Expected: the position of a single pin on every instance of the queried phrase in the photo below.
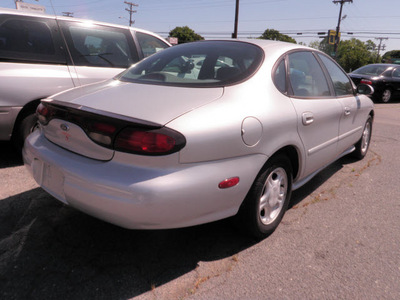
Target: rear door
(98, 52)
(32, 59)
(318, 111)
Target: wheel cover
(366, 136)
(386, 95)
(273, 196)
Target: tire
(386, 96)
(362, 145)
(28, 124)
(268, 198)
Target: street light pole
(338, 25)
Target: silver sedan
(200, 132)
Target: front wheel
(362, 145)
(268, 198)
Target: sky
(365, 19)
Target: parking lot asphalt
(339, 240)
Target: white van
(41, 55)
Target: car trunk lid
(87, 120)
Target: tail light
(131, 136)
(366, 81)
(149, 142)
(44, 113)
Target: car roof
(73, 19)
(268, 46)
(382, 65)
(272, 49)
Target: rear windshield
(208, 63)
(371, 70)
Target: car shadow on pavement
(9, 156)
(319, 179)
(51, 251)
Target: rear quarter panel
(214, 131)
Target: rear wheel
(268, 198)
(386, 96)
(363, 144)
(27, 125)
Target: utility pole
(338, 25)
(131, 11)
(380, 46)
(235, 32)
(16, 6)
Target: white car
(42, 54)
(200, 132)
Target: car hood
(154, 103)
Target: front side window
(341, 82)
(150, 44)
(99, 46)
(306, 76)
(29, 39)
(208, 63)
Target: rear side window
(341, 82)
(280, 77)
(99, 46)
(373, 70)
(306, 76)
(150, 44)
(30, 39)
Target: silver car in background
(41, 55)
(200, 132)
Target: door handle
(347, 111)
(307, 118)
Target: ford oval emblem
(64, 127)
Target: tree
(353, 54)
(185, 35)
(314, 44)
(272, 34)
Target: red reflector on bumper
(227, 183)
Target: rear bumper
(141, 197)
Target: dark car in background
(384, 78)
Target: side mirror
(365, 89)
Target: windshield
(198, 64)
(373, 70)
